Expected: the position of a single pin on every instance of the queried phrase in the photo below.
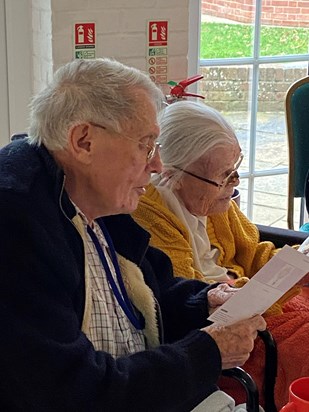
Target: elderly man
(92, 317)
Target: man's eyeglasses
(152, 150)
(230, 179)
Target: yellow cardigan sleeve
(168, 233)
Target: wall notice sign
(84, 40)
(157, 58)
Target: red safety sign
(157, 58)
(158, 31)
(84, 33)
(84, 40)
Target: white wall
(36, 37)
(122, 30)
(16, 66)
(4, 101)
(42, 43)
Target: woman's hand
(217, 296)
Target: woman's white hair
(189, 130)
(99, 90)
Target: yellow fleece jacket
(236, 238)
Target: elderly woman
(189, 213)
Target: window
(250, 52)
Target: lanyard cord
(121, 295)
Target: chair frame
(270, 375)
(290, 133)
(252, 393)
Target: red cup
(298, 396)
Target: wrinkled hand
(236, 341)
(217, 296)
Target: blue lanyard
(120, 294)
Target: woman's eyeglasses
(230, 179)
(152, 150)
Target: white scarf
(203, 255)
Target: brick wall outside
(227, 88)
(274, 12)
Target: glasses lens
(153, 151)
(233, 176)
(238, 163)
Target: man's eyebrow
(150, 136)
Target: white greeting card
(271, 282)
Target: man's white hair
(99, 90)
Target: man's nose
(155, 163)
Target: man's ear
(81, 143)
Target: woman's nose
(234, 179)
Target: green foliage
(220, 40)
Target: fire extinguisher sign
(84, 40)
(157, 35)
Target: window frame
(194, 64)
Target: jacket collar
(12, 176)
(34, 160)
(58, 177)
